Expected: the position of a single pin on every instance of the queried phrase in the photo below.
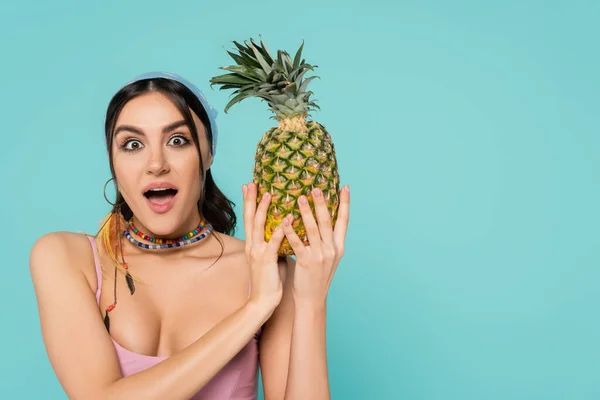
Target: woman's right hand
(262, 256)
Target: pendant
(130, 283)
(107, 322)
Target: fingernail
(317, 192)
(244, 188)
(266, 196)
(347, 189)
(302, 200)
(286, 222)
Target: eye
(178, 140)
(132, 145)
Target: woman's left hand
(317, 262)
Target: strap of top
(98, 269)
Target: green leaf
(287, 63)
(250, 61)
(298, 55)
(235, 100)
(241, 48)
(305, 96)
(242, 71)
(231, 79)
(265, 46)
(283, 109)
(265, 89)
(278, 77)
(270, 75)
(263, 50)
(289, 60)
(279, 62)
(247, 56)
(238, 59)
(302, 97)
(280, 98)
(298, 79)
(291, 103)
(300, 108)
(251, 89)
(265, 98)
(300, 71)
(306, 82)
(226, 87)
(290, 91)
(261, 74)
(307, 66)
(266, 67)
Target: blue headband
(210, 111)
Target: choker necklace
(168, 245)
(167, 241)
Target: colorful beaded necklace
(178, 243)
(167, 241)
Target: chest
(175, 302)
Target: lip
(159, 184)
(160, 208)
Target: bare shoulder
(60, 244)
(231, 245)
(234, 249)
(60, 252)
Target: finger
(295, 242)
(249, 209)
(341, 223)
(312, 230)
(323, 218)
(258, 235)
(275, 241)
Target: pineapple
(298, 154)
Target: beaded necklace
(168, 241)
(178, 243)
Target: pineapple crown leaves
(279, 81)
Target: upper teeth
(158, 189)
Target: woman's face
(156, 164)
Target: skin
(287, 297)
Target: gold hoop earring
(105, 197)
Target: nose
(158, 163)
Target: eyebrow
(166, 129)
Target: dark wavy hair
(213, 206)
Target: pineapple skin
(290, 161)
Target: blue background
(468, 131)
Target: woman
(163, 303)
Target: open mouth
(160, 196)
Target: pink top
(236, 381)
